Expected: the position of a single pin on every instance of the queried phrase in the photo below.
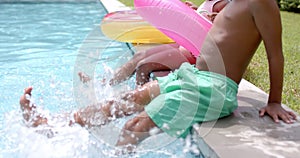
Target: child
(206, 91)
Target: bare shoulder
(263, 5)
(264, 10)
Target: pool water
(44, 45)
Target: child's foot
(83, 77)
(25, 103)
(29, 109)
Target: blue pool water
(44, 45)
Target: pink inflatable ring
(178, 21)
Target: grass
(257, 72)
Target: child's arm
(267, 18)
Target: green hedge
(290, 5)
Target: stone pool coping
(244, 133)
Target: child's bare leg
(135, 131)
(127, 69)
(130, 103)
(143, 94)
(144, 71)
(35, 119)
(98, 114)
(92, 115)
(121, 74)
(157, 62)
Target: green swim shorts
(190, 96)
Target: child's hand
(191, 4)
(276, 111)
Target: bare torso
(233, 47)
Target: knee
(144, 66)
(135, 125)
(144, 69)
(138, 96)
(131, 125)
(136, 130)
(139, 125)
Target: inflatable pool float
(178, 21)
(128, 26)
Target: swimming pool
(44, 44)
